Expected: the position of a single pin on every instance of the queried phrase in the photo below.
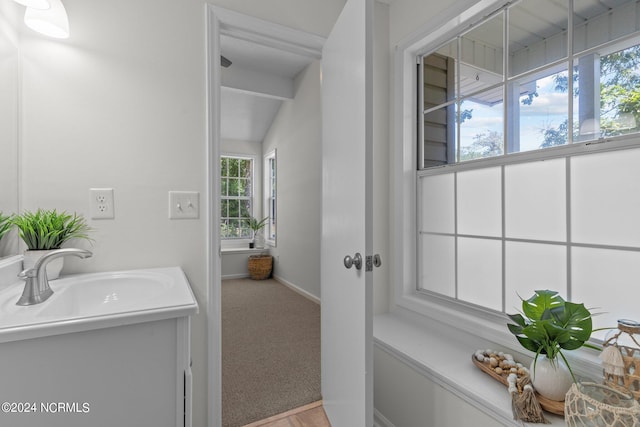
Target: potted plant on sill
(46, 230)
(551, 326)
(256, 226)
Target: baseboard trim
(380, 420)
(235, 276)
(297, 289)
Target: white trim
(405, 337)
(297, 289)
(236, 276)
(265, 33)
(380, 420)
(266, 192)
(223, 21)
(212, 206)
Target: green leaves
(256, 225)
(551, 324)
(48, 229)
(5, 224)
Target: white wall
(8, 121)
(406, 398)
(121, 104)
(296, 134)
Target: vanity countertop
(88, 301)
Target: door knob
(356, 260)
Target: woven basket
(260, 266)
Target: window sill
(243, 251)
(442, 354)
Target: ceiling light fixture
(35, 4)
(52, 22)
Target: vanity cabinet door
(131, 375)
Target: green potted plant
(548, 326)
(5, 224)
(256, 225)
(46, 230)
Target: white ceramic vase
(551, 378)
(53, 267)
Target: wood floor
(311, 415)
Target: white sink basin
(98, 297)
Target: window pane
(439, 137)
(437, 265)
(605, 206)
(234, 209)
(608, 101)
(245, 168)
(543, 106)
(224, 187)
(481, 56)
(480, 272)
(437, 207)
(605, 281)
(537, 34)
(233, 167)
(224, 170)
(245, 208)
(596, 23)
(224, 208)
(535, 200)
(482, 126)
(479, 202)
(244, 187)
(531, 266)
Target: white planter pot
(551, 378)
(53, 267)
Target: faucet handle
(25, 274)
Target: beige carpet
(270, 350)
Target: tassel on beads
(530, 409)
(524, 404)
(612, 361)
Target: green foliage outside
(235, 191)
(486, 144)
(619, 106)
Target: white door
(347, 336)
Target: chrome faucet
(36, 288)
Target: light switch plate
(184, 205)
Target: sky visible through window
(547, 110)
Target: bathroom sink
(98, 297)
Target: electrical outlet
(184, 205)
(101, 203)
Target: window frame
(251, 198)
(406, 299)
(511, 119)
(270, 205)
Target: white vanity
(106, 349)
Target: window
(270, 181)
(236, 181)
(531, 76)
(534, 112)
